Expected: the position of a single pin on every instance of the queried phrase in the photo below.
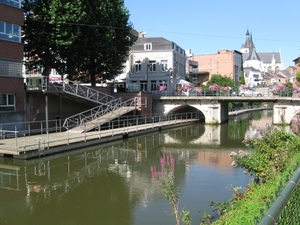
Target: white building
(155, 64)
(262, 61)
(253, 77)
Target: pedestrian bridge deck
(52, 143)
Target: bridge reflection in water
(92, 185)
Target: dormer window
(148, 46)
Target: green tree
(38, 36)
(220, 80)
(242, 77)
(88, 39)
(298, 77)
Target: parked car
(250, 93)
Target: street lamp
(147, 69)
(147, 73)
(170, 70)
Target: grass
(245, 210)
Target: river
(111, 184)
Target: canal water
(111, 184)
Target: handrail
(272, 215)
(121, 126)
(81, 118)
(75, 89)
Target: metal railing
(87, 116)
(235, 93)
(285, 210)
(75, 89)
(24, 140)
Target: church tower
(249, 45)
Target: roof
(266, 57)
(286, 73)
(253, 55)
(158, 43)
(250, 68)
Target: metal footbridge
(108, 107)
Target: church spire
(248, 46)
(247, 33)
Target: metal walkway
(26, 147)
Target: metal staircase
(109, 107)
(93, 118)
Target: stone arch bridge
(215, 109)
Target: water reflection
(111, 184)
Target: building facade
(12, 94)
(262, 61)
(225, 62)
(154, 64)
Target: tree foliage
(220, 80)
(38, 36)
(242, 77)
(298, 77)
(271, 152)
(87, 39)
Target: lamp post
(147, 68)
(147, 73)
(171, 80)
(44, 90)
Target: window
(270, 69)
(147, 46)
(152, 66)
(10, 32)
(173, 46)
(164, 65)
(10, 67)
(137, 66)
(153, 85)
(7, 103)
(14, 3)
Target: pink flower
(279, 87)
(224, 89)
(214, 87)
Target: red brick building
(225, 62)
(12, 94)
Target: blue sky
(208, 26)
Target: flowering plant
(279, 87)
(165, 179)
(244, 87)
(186, 87)
(214, 87)
(224, 89)
(296, 89)
(161, 88)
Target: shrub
(271, 151)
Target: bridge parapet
(215, 108)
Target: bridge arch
(214, 112)
(183, 109)
(283, 113)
